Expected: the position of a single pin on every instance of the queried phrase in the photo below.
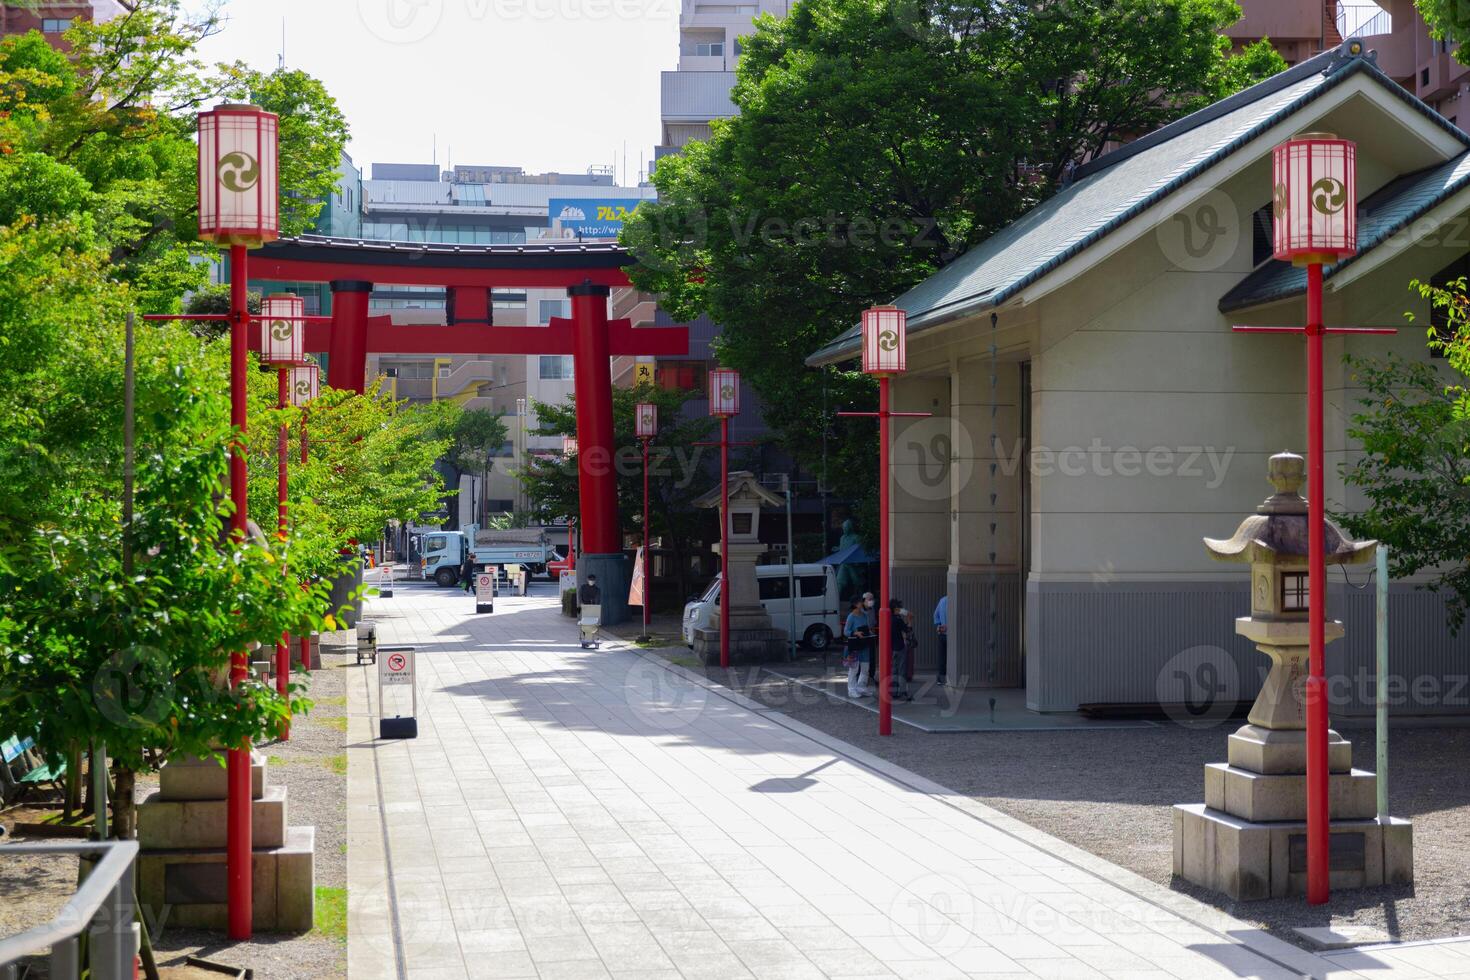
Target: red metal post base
(725, 542)
(885, 615)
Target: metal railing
(102, 907)
(1363, 20)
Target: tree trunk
(73, 801)
(124, 811)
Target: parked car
(817, 610)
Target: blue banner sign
(588, 217)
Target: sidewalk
(570, 813)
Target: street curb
(1277, 951)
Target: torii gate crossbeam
(588, 271)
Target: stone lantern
(1248, 839)
(752, 637)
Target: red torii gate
(588, 272)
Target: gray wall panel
(1147, 642)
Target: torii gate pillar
(597, 479)
(347, 352)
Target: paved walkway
(570, 813)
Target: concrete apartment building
(1392, 28)
(53, 19)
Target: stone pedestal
(753, 640)
(1249, 838)
(182, 863)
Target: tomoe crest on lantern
(724, 392)
(1314, 199)
(884, 341)
(569, 445)
(238, 176)
(646, 419)
(281, 329)
(305, 383)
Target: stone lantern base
(1249, 838)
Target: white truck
(442, 552)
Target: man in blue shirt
(941, 626)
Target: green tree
(678, 470)
(1414, 427)
(119, 111)
(879, 139)
(120, 631)
(1448, 21)
(478, 436)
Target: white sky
(540, 84)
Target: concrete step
(192, 778)
(1262, 798)
(1250, 861)
(190, 888)
(184, 824)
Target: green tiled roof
(1113, 189)
(1384, 214)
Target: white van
(817, 611)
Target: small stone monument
(1248, 839)
(182, 862)
(753, 639)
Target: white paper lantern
(646, 419)
(282, 329)
(305, 383)
(239, 185)
(1315, 188)
(884, 329)
(724, 392)
(569, 445)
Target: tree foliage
(879, 139)
(1414, 427)
(113, 631)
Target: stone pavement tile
(497, 940)
(927, 969)
(550, 949)
(853, 962)
(1065, 968)
(573, 970)
(436, 973)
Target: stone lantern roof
(743, 487)
(1278, 528)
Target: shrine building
(1095, 417)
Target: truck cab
(440, 556)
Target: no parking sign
(485, 590)
(396, 669)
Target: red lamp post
(884, 355)
(724, 401)
(1314, 222)
(305, 386)
(646, 426)
(282, 335)
(239, 196)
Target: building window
(709, 49)
(443, 371)
(411, 370)
(554, 307)
(556, 367)
(55, 25)
(1262, 235)
(681, 375)
(1295, 591)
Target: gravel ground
(313, 765)
(1110, 792)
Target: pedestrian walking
(467, 572)
(858, 634)
(941, 628)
